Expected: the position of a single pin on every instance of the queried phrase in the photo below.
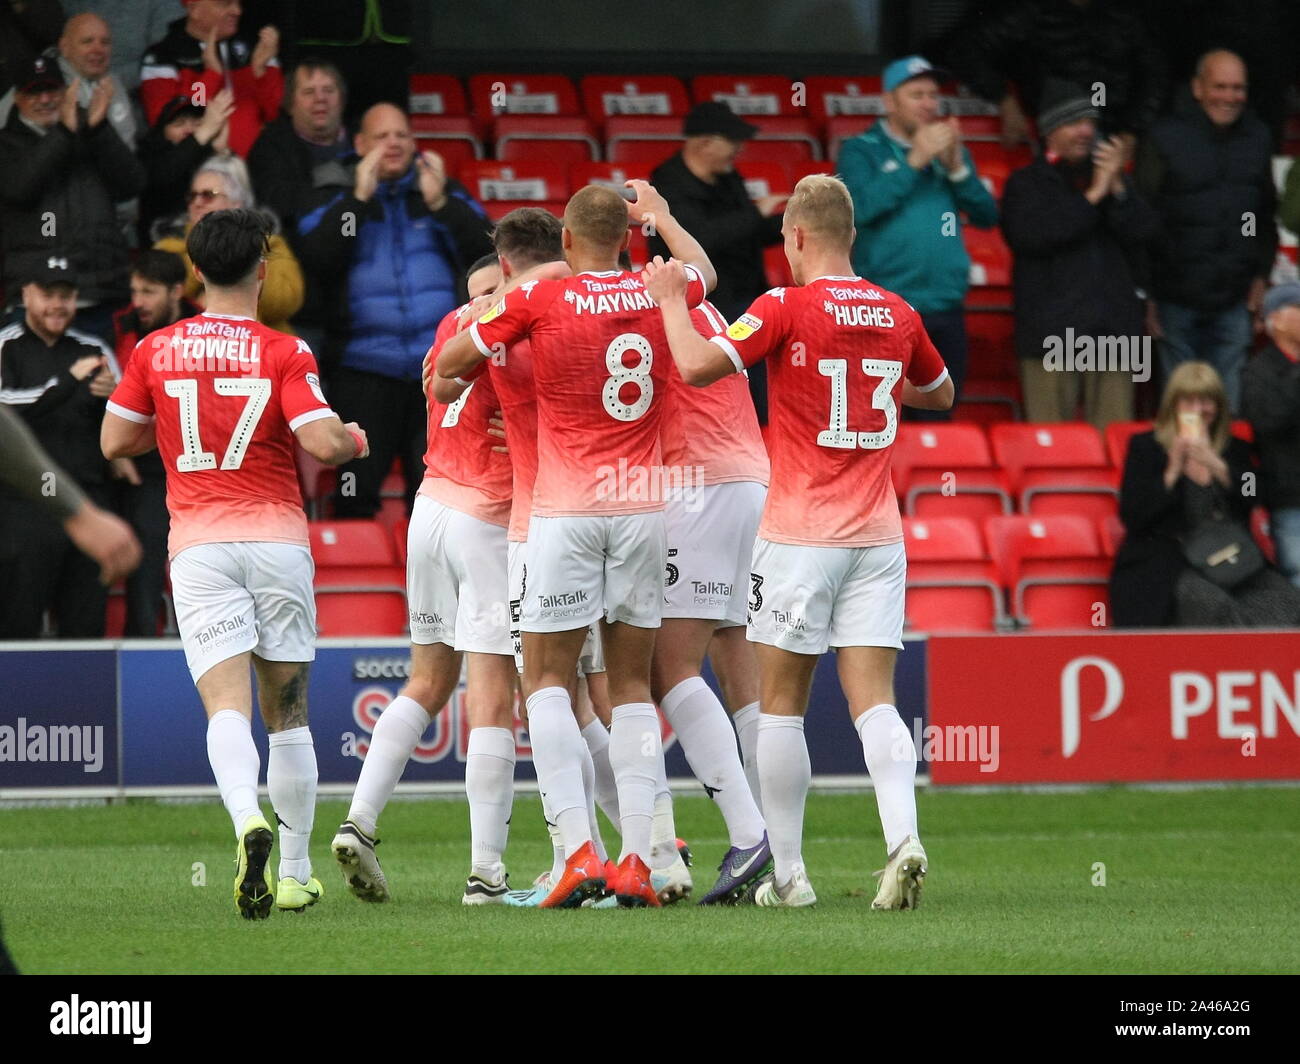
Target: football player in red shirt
(829, 568)
(596, 536)
(223, 398)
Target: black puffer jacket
(1204, 180)
(58, 193)
(1031, 40)
(1270, 401)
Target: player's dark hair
(227, 245)
(483, 263)
(310, 64)
(160, 267)
(529, 236)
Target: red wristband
(357, 439)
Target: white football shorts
(806, 599)
(710, 548)
(583, 568)
(456, 591)
(232, 598)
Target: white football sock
(589, 789)
(663, 834)
(709, 744)
(746, 721)
(291, 784)
(786, 773)
(636, 754)
(490, 788)
(396, 735)
(891, 759)
(558, 751)
(235, 764)
(596, 736)
(557, 841)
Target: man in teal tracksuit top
(911, 180)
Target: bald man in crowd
(1207, 170)
(388, 237)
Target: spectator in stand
(1075, 225)
(388, 241)
(182, 140)
(1190, 476)
(1270, 401)
(368, 40)
(709, 198)
(221, 184)
(135, 24)
(287, 157)
(1207, 169)
(911, 179)
(1101, 45)
(26, 30)
(203, 54)
(57, 381)
(157, 300)
(1288, 207)
(84, 53)
(62, 170)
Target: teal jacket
(905, 243)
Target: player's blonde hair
(597, 215)
(822, 206)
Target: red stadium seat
(783, 139)
(801, 169)
(531, 179)
(990, 257)
(946, 470)
(561, 139)
(749, 94)
(399, 538)
(523, 94)
(991, 153)
(776, 267)
(979, 127)
(858, 98)
(1053, 566)
(341, 613)
(1263, 533)
(765, 179)
(991, 341)
(988, 402)
(616, 175)
(646, 140)
(498, 209)
(436, 94)
(1118, 434)
(1067, 445)
(340, 544)
(454, 137)
(951, 584)
(604, 96)
(1111, 532)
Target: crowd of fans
(1147, 211)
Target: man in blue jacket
(911, 180)
(392, 235)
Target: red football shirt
(714, 429)
(227, 393)
(600, 372)
(512, 377)
(461, 469)
(844, 347)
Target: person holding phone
(1188, 558)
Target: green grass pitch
(1199, 881)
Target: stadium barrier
(111, 719)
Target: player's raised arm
(650, 207)
(699, 361)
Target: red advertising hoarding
(1118, 706)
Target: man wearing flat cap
(1270, 401)
(1076, 227)
(709, 198)
(912, 181)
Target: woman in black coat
(1176, 478)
